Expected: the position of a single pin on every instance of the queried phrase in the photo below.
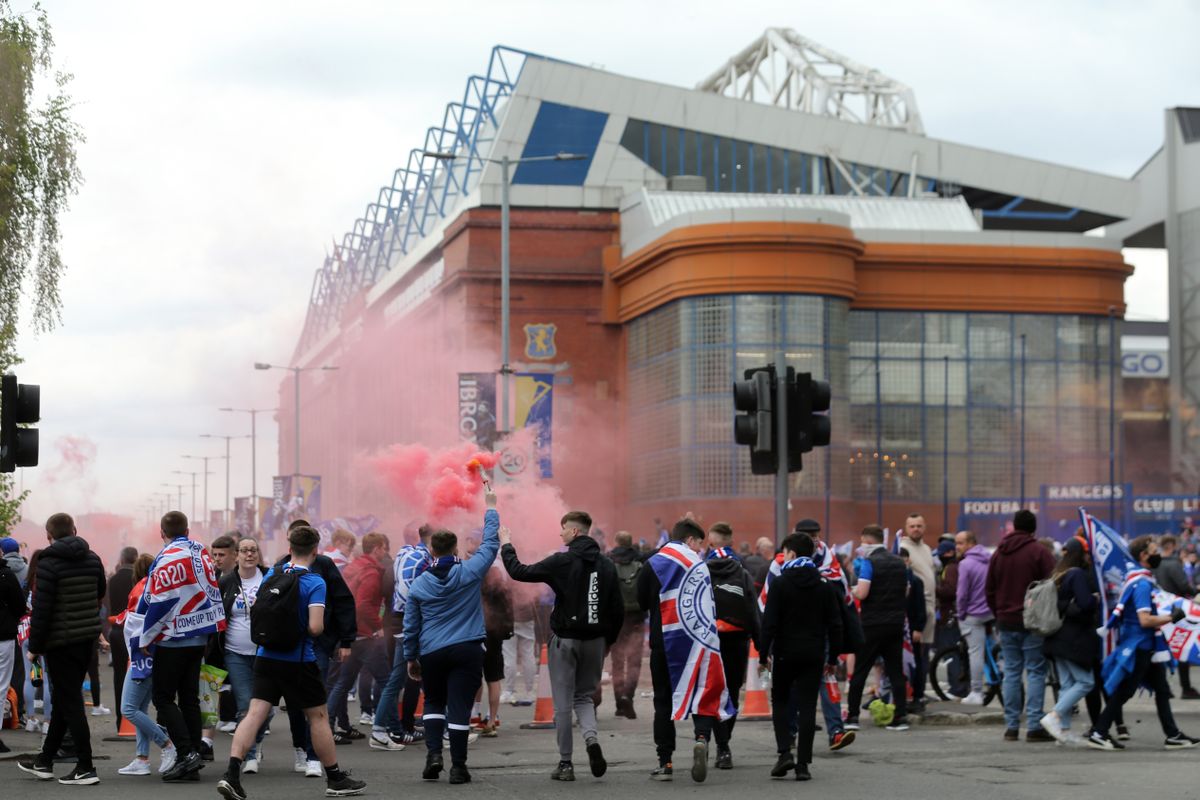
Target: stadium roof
(640, 135)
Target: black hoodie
(66, 603)
(803, 613)
(12, 603)
(735, 598)
(587, 599)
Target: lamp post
(296, 410)
(253, 412)
(227, 510)
(193, 474)
(206, 459)
(179, 488)
(506, 164)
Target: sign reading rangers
(689, 630)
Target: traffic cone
(125, 732)
(755, 705)
(543, 710)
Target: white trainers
(1053, 726)
(250, 766)
(139, 766)
(380, 740)
(101, 711)
(169, 754)
(507, 697)
(973, 699)
(301, 760)
(227, 727)
(366, 719)
(32, 725)
(313, 769)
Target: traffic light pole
(781, 449)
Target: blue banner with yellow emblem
(534, 395)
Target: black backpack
(627, 579)
(729, 598)
(275, 616)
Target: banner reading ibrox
(477, 408)
(1112, 560)
(534, 409)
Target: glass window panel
(633, 139)
(805, 321)
(758, 319)
(862, 333)
(760, 170)
(991, 382)
(672, 146)
(712, 472)
(778, 171)
(862, 381)
(713, 325)
(797, 177)
(655, 147)
(900, 380)
(711, 371)
(945, 335)
(704, 158)
(1039, 336)
(1040, 384)
(937, 393)
(992, 429)
(991, 335)
(691, 150)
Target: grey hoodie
(17, 564)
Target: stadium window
(760, 170)
(689, 154)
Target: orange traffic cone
(420, 712)
(755, 706)
(125, 732)
(543, 711)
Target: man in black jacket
(64, 628)
(801, 637)
(737, 624)
(627, 650)
(12, 608)
(1170, 577)
(119, 587)
(341, 629)
(586, 618)
(882, 588)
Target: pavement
(968, 758)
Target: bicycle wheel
(947, 671)
(993, 676)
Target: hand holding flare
(476, 468)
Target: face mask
(1155, 560)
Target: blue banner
(534, 409)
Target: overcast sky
(230, 143)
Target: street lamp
(227, 439)
(505, 163)
(179, 487)
(193, 474)
(296, 411)
(253, 412)
(206, 459)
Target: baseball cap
(945, 548)
(9, 545)
(808, 526)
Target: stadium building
(792, 200)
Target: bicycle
(950, 673)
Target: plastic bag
(211, 679)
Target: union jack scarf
(720, 552)
(689, 631)
(181, 600)
(825, 560)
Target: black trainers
(851, 724)
(80, 777)
(783, 765)
(1180, 741)
(565, 771)
(230, 787)
(353, 734)
(206, 752)
(664, 772)
(897, 724)
(700, 760)
(343, 785)
(802, 773)
(1122, 734)
(341, 738)
(459, 773)
(34, 766)
(1100, 741)
(433, 767)
(724, 759)
(183, 767)
(596, 759)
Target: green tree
(10, 504)
(38, 172)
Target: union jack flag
(689, 628)
(181, 598)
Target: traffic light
(807, 428)
(756, 428)
(20, 404)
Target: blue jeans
(1022, 652)
(1075, 682)
(241, 680)
(369, 653)
(386, 716)
(135, 700)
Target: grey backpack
(1041, 608)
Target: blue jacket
(445, 604)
